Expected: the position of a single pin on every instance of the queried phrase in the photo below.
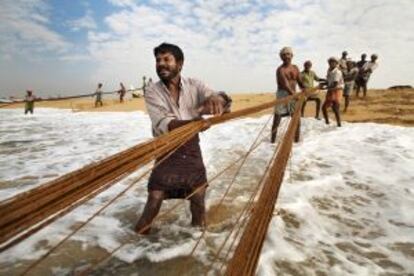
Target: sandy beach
(394, 107)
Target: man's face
(308, 66)
(332, 64)
(286, 57)
(166, 66)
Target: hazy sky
(66, 47)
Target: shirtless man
(365, 73)
(287, 76)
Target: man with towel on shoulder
(173, 102)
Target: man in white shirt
(335, 85)
(173, 102)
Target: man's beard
(172, 73)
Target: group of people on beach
(121, 92)
(343, 74)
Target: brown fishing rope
(248, 206)
(247, 252)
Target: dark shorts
(181, 173)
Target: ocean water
(345, 207)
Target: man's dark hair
(170, 48)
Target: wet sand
(394, 107)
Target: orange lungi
(333, 96)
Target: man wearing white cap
(287, 77)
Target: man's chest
(289, 73)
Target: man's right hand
(214, 105)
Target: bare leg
(325, 112)
(275, 125)
(365, 89)
(152, 207)
(318, 107)
(346, 102)
(335, 108)
(198, 209)
(303, 107)
(358, 88)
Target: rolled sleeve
(203, 91)
(158, 112)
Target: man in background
(308, 77)
(342, 61)
(350, 74)
(365, 74)
(121, 93)
(98, 95)
(359, 80)
(335, 84)
(29, 101)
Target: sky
(60, 47)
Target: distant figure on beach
(29, 101)
(362, 62)
(150, 81)
(343, 60)
(359, 80)
(308, 77)
(144, 84)
(121, 92)
(365, 73)
(335, 84)
(98, 95)
(173, 102)
(350, 74)
(287, 77)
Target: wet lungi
(284, 109)
(180, 173)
